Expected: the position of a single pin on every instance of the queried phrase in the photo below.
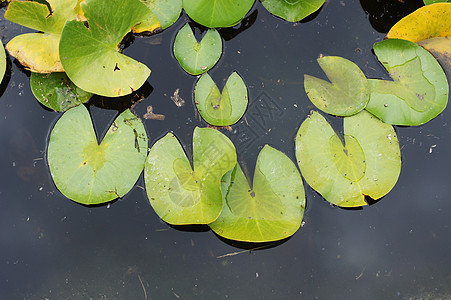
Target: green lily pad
(217, 13)
(427, 2)
(179, 195)
(56, 91)
(271, 210)
(91, 57)
(167, 11)
(292, 10)
(197, 58)
(39, 51)
(87, 172)
(346, 95)
(221, 109)
(368, 163)
(419, 90)
(2, 61)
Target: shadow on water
(124, 102)
(383, 14)
(231, 32)
(7, 77)
(190, 228)
(252, 246)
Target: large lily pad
(426, 22)
(346, 95)
(368, 163)
(419, 90)
(179, 194)
(221, 109)
(91, 57)
(271, 210)
(39, 51)
(292, 10)
(56, 91)
(217, 13)
(194, 57)
(87, 172)
(166, 11)
(2, 61)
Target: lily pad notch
(197, 57)
(182, 194)
(221, 109)
(271, 210)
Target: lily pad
(427, 2)
(292, 10)
(419, 90)
(271, 210)
(39, 51)
(167, 11)
(2, 61)
(221, 109)
(87, 172)
(179, 194)
(346, 95)
(426, 22)
(56, 91)
(367, 164)
(217, 13)
(91, 56)
(194, 57)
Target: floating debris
(151, 115)
(177, 99)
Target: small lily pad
(271, 210)
(217, 13)
(179, 194)
(367, 164)
(87, 172)
(292, 10)
(39, 51)
(167, 11)
(2, 61)
(419, 90)
(346, 95)
(56, 91)
(91, 57)
(221, 109)
(194, 57)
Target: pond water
(397, 248)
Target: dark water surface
(397, 248)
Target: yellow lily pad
(426, 22)
(39, 52)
